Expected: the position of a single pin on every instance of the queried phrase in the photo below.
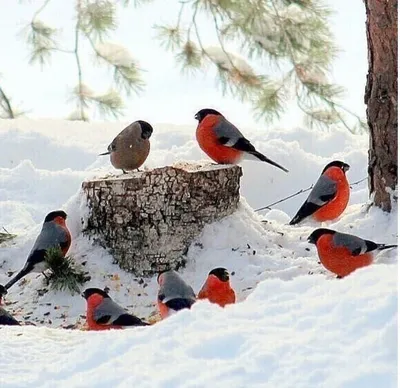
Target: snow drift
(295, 325)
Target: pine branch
(80, 94)
(277, 34)
(126, 72)
(64, 275)
(6, 235)
(98, 18)
(109, 104)
(6, 105)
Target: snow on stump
(149, 219)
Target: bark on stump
(149, 219)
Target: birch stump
(149, 219)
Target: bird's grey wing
(107, 312)
(354, 244)
(324, 190)
(50, 236)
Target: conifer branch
(81, 102)
(6, 105)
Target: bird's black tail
(267, 160)
(381, 247)
(306, 210)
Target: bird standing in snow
(129, 150)
(223, 142)
(7, 319)
(102, 313)
(217, 288)
(329, 197)
(173, 294)
(343, 253)
(54, 233)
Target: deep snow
(297, 324)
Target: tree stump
(149, 219)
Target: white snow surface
(295, 324)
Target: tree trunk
(381, 100)
(149, 219)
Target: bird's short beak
(346, 167)
(105, 153)
(196, 116)
(83, 295)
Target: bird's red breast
(61, 221)
(163, 309)
(339, 259)
(217, 291)
(91, 303)
(208, 142)
(337, 205)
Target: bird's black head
(337, 163)
(91, 291)
(147, 129)
(221, 273)
(201, 114)
(314, 236)
(163, 272)
(57, 213)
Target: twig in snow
(300, 192)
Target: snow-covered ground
(295, 325)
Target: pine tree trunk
(149, 219)
(381, 99)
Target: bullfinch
(7, 319)
(329, 197)
(343, 253)
(173, 294)
(130, 148)
(217, 288)
(102, 313)
(223, 142)
(54, 233)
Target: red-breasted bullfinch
(54, 233)
(329, 197)
(173, 294)
(102, 313)
(129, 150)
(217, 288)
(223, 142)
(343, 253)
(7, 319)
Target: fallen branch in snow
(6, 236)
(64, 274)
(300, 192)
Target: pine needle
(64, 273)
(6, 236)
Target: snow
(116, 54)
(294, 325)
(228, 60)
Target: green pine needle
(64, 273)
(98, 18)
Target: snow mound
(305, 333)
